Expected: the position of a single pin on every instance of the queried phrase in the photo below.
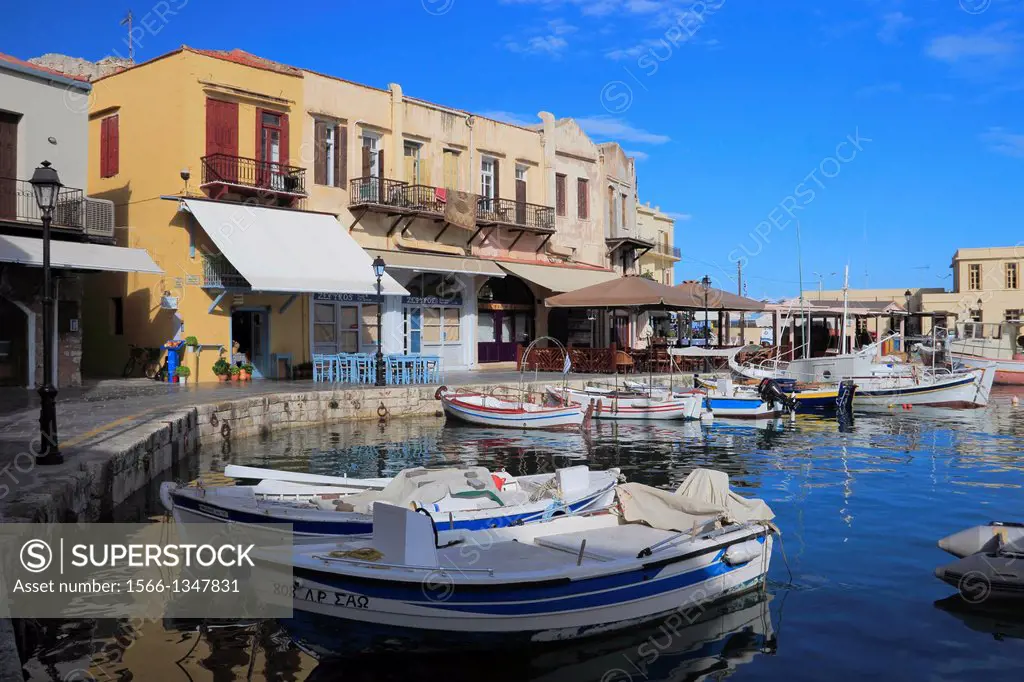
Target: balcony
(74, 214)
(219, 273)
(282, 185)
(516, 214)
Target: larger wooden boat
(977, 344)
(417, 586)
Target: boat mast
(846, 292)
(803, 302)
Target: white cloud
(1002, 141)
(618, 130)
(548, 40)
(892, 24)
(524, 120)
(993, 43)
(638, 155)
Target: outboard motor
(844, 404)
(770, 392)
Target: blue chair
(321, 367)
(364, 368)
(344, 368)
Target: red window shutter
(104, 143)
(259, 135)
(341, 156)
(284, 139)
(320, 153)
(113, 165)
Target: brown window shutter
(380, 163)
(582, 199)
(320, 153)
(365, 172)
(340, 156)
(497, 191)
(560, 194)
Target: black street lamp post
(46, 187)
(705, 284)
(378, 269)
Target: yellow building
(656, 227)
(264, 191)
(198, 152)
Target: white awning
(76, 255)
(431, 262)
(558, 279)
(289, 251)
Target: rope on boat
(361, 554)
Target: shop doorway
(250, 330)
(13, 345)
(505, 319)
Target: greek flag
(567, 365)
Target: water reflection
(709, 644)
(860, 507)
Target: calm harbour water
(851, 591)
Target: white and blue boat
(725, 399)
(457, 498)
(414, 586)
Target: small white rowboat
(487, 410)
(629, 405)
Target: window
(974, 276)
(1012, 315)
(622, 206)
(330, 156)
(1011, 275)
(975, 315)
(110, 151)
(560, 194)
(369, 336)
(371, 155)
(487, 168)
(582, 199)
(451, 168)
(117, 316)
(413, 174)
(335, 328)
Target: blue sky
(891, 129)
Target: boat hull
(640, 407)
(187, 507)
(436, 614)
(742, 408)
(1008, 372)
(968, 390)
(512, 416)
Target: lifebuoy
(440, 391)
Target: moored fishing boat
(458, 498)
(489, 410)
(414, 587)
(977, 344)
(726, 399)
(629, 404)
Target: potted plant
(234, 372)
(191, 343)
(221, 368)
(246, 373)
(182, 372)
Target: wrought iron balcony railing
(518, 213)
(371, 191)
(74, 211)
(253, 173)
(219, 273)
